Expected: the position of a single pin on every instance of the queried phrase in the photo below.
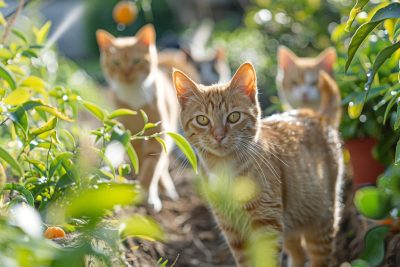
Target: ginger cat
(131, 68)
(305, 83)
(294, 159)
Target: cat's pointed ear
(245, 80)
(147, 35)
(184, 86)
(286, 57)
(327, 59)
(104, 39)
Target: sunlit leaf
(94, 109)
(41, 34)
(20, 35)
(3, 21)
(372, 202)
(49, 125)
(141, 226)
(133, 157)
(354, 12)
(121, 112)
(20, 119)
(16, 69)
(5, 53)
(185, 147)
(382, 56)
(162, 143)
(144, 116)
(389, 12)
(389, 27)
(56, 162)
(7, 76)
(17, 97)
(94, 202)
(54, 111)
(22, 190)
(150, 125)
(359, 263)
(36, 84)
(374, 245)
(10, 160)
(29, 53)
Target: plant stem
(11, 21)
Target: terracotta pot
(365, 168)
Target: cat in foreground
(305, 82)
(130, 65)
(294, 159)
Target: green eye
(136, 61)
(202, 120)
(116, 62)
(234, 117)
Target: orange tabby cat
(293, 158)
(130, 67)
(302, 83)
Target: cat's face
(298, 77)
(219, 119)
(126, 60)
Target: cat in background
(308, 82)
(130, 66)
(293, 158)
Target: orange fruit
(125, 12)
(54, 232)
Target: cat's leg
(296, 253)
(318, 239)
(166, 180)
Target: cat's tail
(330, 107)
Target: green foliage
(60, 168)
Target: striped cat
(294, 160)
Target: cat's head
(222, 118)
(127, 60)
(297, 77)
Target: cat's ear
(245, 80)
(327, 59)
(147, 35)
(286, 57)
(184, 86)
(104, 39)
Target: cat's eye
(136, 61)
(294, 83)
(202, 120)
(234, 117)
(116, 62)
(314, 83)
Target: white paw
(155, 202)
(172, 194)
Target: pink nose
(219, 138)
(219, 134)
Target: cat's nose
(219, 134)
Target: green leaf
(53, 111)
(48, 126)
(133, 157)
(94, 109)
(372, 202)
(121, 112)
(41, 34)
(29, 53)
(20, 35)
(57, 162)
(359, 263)
(397, 123)
(36, 84)
(354, 12)
(17, 97)
(397, 154)
(3, 21)
(382, 56)
(141, 226)
(7, 76)
(144, 117)
(389, 106)
(162, 143)
(106, 196)
(374, 245)
(22, 190)
(20, 119)
(185, 147)
(150, 125)
(10, 160)
(388, 12)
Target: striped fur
(293, 159)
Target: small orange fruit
(54, 232)
(125, 12)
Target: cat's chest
(136, 96)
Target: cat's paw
(172, 194)
(155, 203)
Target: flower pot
(365, 168)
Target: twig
(11, 21)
